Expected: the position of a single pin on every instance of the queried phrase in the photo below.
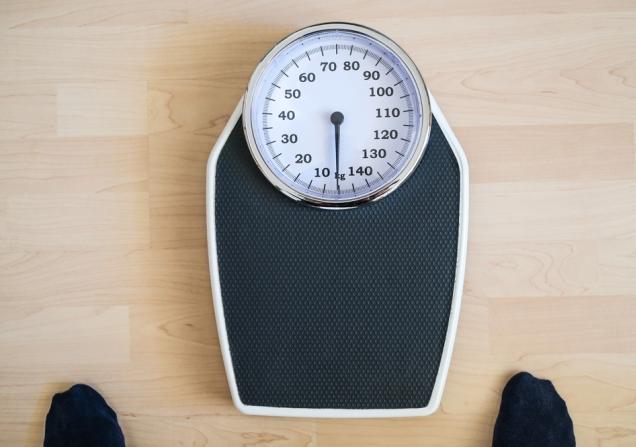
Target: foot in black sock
(532, 414)
(80, 417)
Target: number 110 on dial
(336, 115)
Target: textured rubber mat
(343, 309)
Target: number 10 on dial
(336, 115)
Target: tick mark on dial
(407, 125)
(402, 97)
(323, 189)
(368, 186)
(285, 168)
(404, 139)
(266, 113)
(277, 156)
(379, 59)
(276, 85)
(271, 99)
(380, 175)
(336, 48)
(399, 153)
(271, 142)
(307, 55)
(407, 110)
(267, 128)
(284, 73)
(321, 52)
(351, 50)
(398, 83)
(388, 71)
(297, 177)
(365, 54)
(310, 182)
(295, 63)
(353, 187)
(390, 165)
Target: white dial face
(337, 117)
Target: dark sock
(80, 417)
(532, 414)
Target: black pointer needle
(336, 119)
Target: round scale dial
(336, 115)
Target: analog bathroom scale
(337, 212)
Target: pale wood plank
(549, 211)
(615, 430)
(27, 110)
(562, 325)
(81, 335)
(439, 430)
(73, 13)
(537, 153)
(552, 268)
(102, 109)
(74, 221)
(108, 275)
(64, 165)
(283, 12)
(232, 431)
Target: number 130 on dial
(336, 115)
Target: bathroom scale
(337, 212)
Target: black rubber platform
(343, 309)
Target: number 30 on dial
(336, 115)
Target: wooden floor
(108, 111)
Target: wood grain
(108, 111)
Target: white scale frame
(442, 372)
